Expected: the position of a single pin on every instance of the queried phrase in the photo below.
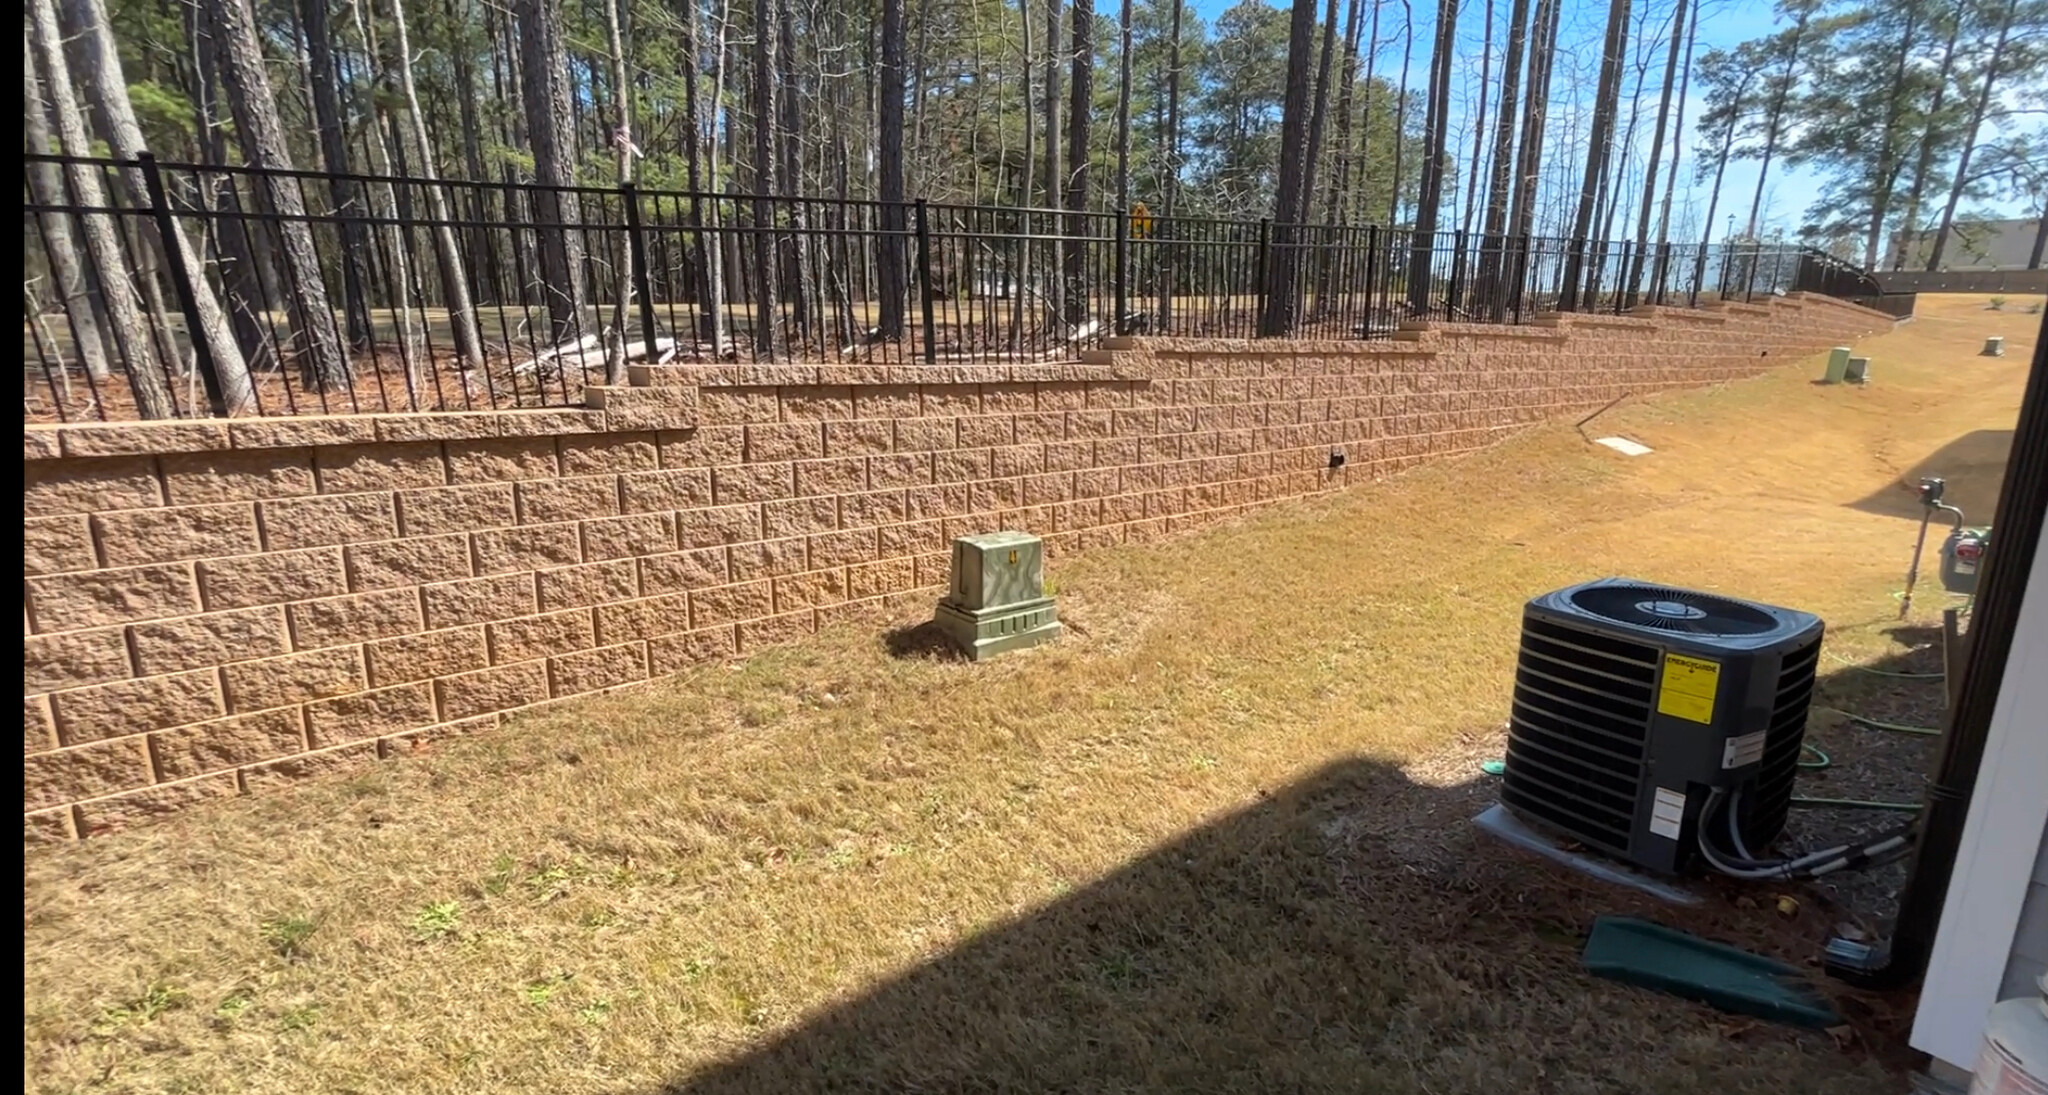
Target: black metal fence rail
(179, 290)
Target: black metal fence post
(1372, 278)
(181, 284)
(1519, 285)
(1265, 251)
(1574, 273)
(1451, 308)
(1620, 267)
(636, 248)
(924, 284)
(1123, 271)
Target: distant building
(1973, 245)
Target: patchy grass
(1213, 840)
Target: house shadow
(1973, 465)
(1349, 932)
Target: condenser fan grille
(1679, 611)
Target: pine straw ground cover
(1213, 840)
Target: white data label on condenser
(1667, 816)
(1747, 749)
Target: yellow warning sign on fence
(1688, 688)
(1141, 221)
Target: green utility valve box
(996, 600)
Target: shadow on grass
(1347, 933)
(1973, 465)
(922, 642)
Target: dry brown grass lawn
(1214, 840)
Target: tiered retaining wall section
(213, 607)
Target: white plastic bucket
(2014, 1060)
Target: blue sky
(1723, 23)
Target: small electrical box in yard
(996, 600)
(1961, 556)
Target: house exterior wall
(1993, 938)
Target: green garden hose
(1855, 804)
(1895, 727)
(1894, 674)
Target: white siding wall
(2030, 944)
(1996, 916)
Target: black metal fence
(174, 290)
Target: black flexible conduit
(2016, 536)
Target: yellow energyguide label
(1688, 688)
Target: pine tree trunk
(1923, 165)
(709, 253)
(109, 88)
(1123, 114)
(387, 206)
(1020, 275)
(1888, 151)
(241, 278)
(1171, 202)
(323, 361)
(1372, 56)
(1535, 116)
(1606, 106)
(1435, 160)
(545, 100)
(1774, 116)
(1328, 272)
(1340, 179)
(616, 352)
(920, 87)
(796, 289)
(469, 348)
(1678, 37)
(1401, 114)
(890, 249)
(1281, 267)
(1317, 122)
(480, 260)
(1055, 184)
(341, 190)
(1671, 171)
(1080, 104)
(1471, 191)
(69, 284)
(767, 291)
(1678, 144)
(1699, 268)
(1493, 251)
(1318, 113)
(1612, 182)
(1987, 84)
(129, 326)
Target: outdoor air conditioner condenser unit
(1633, 702)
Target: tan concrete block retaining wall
(214, 606)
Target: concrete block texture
(214, 608)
